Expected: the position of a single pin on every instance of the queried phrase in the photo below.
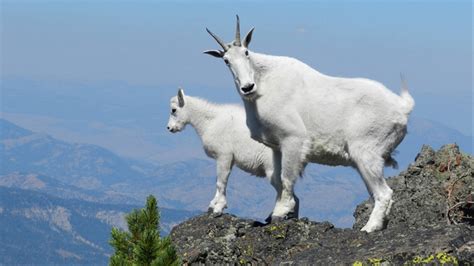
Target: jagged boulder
(418, 231)
(436, 185)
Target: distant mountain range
(58, 203)
(40, 229)
(82, 165)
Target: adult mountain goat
(306, 116)
(226, 138)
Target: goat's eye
(173, 110)
(226, 61)
(246, 52)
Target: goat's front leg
(291, 167)
(219, 203)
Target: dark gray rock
(418, 231)
(435, 182)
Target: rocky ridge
(436, 189)
(431, 222)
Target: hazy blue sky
(154, 43)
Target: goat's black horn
(218, 40)
(237, 32)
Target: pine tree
(142, 244)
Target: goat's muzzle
(247, 89)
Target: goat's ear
(215, 53)
(181, 97)
(248, 38)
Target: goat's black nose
(248, 87)
(168, 128)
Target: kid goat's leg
(224, 166)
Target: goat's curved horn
(237, 32)
(218, 40)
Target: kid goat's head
(178, 115)
(236, 56)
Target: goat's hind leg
(273, 173)
(370, 167)
(274, 176)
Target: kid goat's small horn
(218, 40)
(237, 32)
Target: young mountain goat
(306, 116)
(226, 138)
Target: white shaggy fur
(306, 116)
(225, 138)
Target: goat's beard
(250, 97)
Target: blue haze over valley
(85, 89)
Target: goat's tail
(407, 101)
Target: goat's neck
(201, 113)
(262, 64)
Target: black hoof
(269, 218)
(215, 215)
(211, 213)
(276, 219)
(291, 215)
(258, 224)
